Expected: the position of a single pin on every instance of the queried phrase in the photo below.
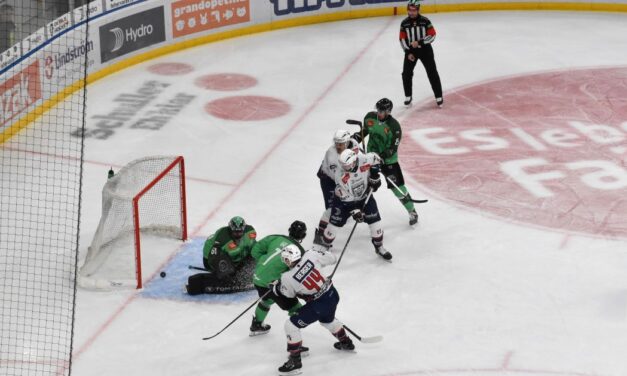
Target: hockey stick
(406, 196)
(361, 130)
(198, 268)
(374, 339)
(350, 236)
(238, 316)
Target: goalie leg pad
(197, 283)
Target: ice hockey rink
(519, 264)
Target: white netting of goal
(145, 196)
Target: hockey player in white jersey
(358, 173)
(306, 281)
(326, 173)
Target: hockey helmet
(348, 160)
(341, 138)
(384, 105)
(414, 3)
(298, 230)
(237, 225)
(290, 254)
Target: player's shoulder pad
(250, 230)
(405, 21)
(317, 252)
(391, 120)
(370, 119)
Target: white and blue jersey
(305, 280)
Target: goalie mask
(290, 254)
(237, 225)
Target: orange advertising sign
(193, 16)
(19, 92)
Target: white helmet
(348, 159)
(341, 137)
(290, 254)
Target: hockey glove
(222, 266)
(374, 172)
(374, 184)
(275, 287)
(374, 180)
(358, 215)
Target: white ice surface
(466, 294)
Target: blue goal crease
(172, 286)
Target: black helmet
(384, 105)
(298, 230)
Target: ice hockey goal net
(145, 196)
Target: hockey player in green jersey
(384, 139)
(227, 258)
(267, 253)
(235, 240)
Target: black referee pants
(425, 55)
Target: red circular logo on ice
(226, 81)
(171, 69)
(547, 149)
(247, 108)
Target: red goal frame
(180, 163)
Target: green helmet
(237, 226)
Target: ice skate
(413, 217)
(381, 251)
(292, 366)
(258, 328)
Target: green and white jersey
(384, 136)
(267, 252)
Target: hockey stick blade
(406, 195)
(418, 201)
(192, 267)
(374, 339)
(354, 122)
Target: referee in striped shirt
(417, 34)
